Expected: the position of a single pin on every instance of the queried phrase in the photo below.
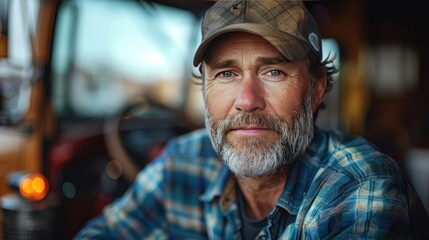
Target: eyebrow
(224, 64)
(259, 61)
(271, 60)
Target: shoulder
(190, 156)
(355, 183)
(358, 158)
(193, 144)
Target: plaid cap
(286, 24)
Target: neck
(261, 194)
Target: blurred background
(91, 90)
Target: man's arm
(138, 214)
(95, 229)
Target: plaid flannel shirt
(342, 188)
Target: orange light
(34, 187)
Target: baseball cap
(286, 24)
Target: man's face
(259, 106)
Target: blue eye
(226, 74)
(275, 73)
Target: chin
(251, 141)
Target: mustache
(251, 119)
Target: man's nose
(250, 95)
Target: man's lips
(250, 130)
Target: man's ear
(319, 90)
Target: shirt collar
(302, 174)
(217, 187)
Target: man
(262, 169)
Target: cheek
(285, 101)
(219, 101)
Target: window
(108, 54)
(18, 24)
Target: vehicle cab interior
(92, 90)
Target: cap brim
(290, 46)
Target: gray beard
(258, 156)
